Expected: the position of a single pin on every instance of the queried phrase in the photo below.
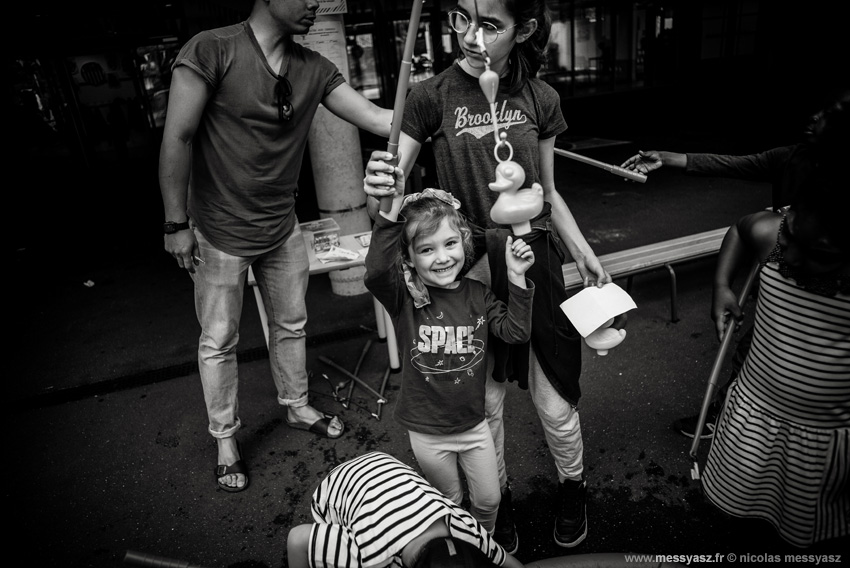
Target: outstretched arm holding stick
(648, 161)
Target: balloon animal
(605, 338)
(515, 205)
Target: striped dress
(367, 509)
(781, 451)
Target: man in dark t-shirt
(241, 102)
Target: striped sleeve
(333, 546)
(464, 527)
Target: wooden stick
(616, 170)
(718, 365)
(401, 91)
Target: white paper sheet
(592, 307)
(336, 253)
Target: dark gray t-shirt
(245, 160)
(452, 110)
(442, 345)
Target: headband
(438, 194)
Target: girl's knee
(487, 504)
(445, 484)
(455, 497)
(554, 409)
(297, 543)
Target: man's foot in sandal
(310, 419)
(231, 472)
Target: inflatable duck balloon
(605, 338)
(515, 206)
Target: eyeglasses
(282, 92)
(460, 23)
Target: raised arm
(588, 265)
(186, 101)
(519, 257)
(383, 278)
(353, 107)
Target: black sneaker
(571, 521)
(505, 532)
(687, 426)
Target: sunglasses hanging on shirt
(283, 90)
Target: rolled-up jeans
(282, 275)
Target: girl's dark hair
(832, 142)
(528, 57)
(423, 217)
(451, 552)
(820, 193)
(820, 173)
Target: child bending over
(374, 510)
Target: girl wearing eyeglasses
(453, 112)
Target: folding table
(382, 319)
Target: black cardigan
(556, 342)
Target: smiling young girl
(452, 111)
(442, 322)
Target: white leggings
(439, 455)
(559, 419)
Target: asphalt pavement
(109, 445)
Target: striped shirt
(782, 447)
(369, 508)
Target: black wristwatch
(170, 227)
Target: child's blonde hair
(423, 216)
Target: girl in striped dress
(781, 451)
(374, 511)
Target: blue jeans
(282, 275)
